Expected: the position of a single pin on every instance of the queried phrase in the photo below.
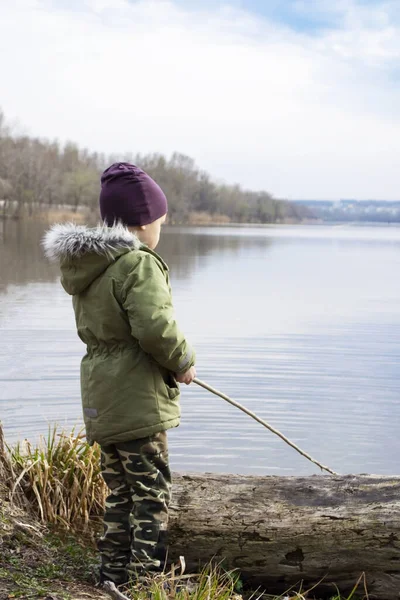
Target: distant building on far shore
(381, 211)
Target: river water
(301, 324)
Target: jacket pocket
(172, 388)
(171, 384)
(166, 382)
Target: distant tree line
(39, 173)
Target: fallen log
(281, 531)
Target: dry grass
(216, 583)
(358, 591)
(57, 215)
(212, 583)
(204, 218)
(53, 214)
(59, 480)
(6, 470)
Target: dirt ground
(40, 563)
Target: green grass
(213, 582)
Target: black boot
(122, 580)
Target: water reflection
(22, 260)
(184, 248)
(21, 256)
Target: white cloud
(252, 101)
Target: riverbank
(50, 499)
(82, 215)
(40, 562)
(49, 552)
(194, 219)
(48, 534)
(44, 562)
(39, 559)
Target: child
(135, 356)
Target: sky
(297, 97)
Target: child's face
(150, 234)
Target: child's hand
(186, 377)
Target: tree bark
(281, 531)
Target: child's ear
(142, 227)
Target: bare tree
(39, 173)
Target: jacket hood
(85, 253)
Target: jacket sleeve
(146, 297)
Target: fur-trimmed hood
(67, 240)
(84, 253)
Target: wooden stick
(111, 589)
(256, 418)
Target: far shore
(84, 216)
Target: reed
(59, 479)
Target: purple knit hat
(130, 196)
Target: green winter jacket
(124, 315)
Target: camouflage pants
(136, 512)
